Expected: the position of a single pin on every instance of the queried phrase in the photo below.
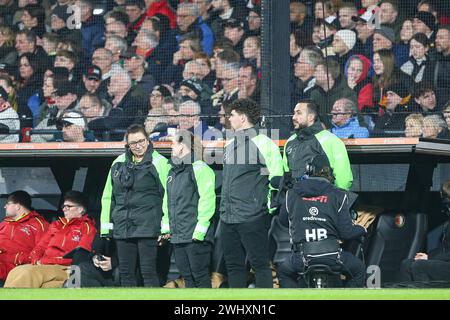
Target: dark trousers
(247, 239)
(91, 276)
(130, 251)
(193, 261)
(425, 270)
(288, 271)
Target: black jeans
(193, 261)
(425, 270)
(91, 276)
(247, 239)
(130, 251)
(288, 271)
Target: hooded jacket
(308, 142)
(18, 237)
(134, 199)
(191, 202)
(200, 29)
(364, 86)
(317, 211)
(250, 161)
(62, 237)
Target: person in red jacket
(20, 231)
(49, 268)
(162, 7)
(356, 71)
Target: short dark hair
(20, 197)
(30, 35)
(248, 107)
(36, 11)
(422, 88)
(331, 66)
(76, 197)
(135, 128)
(254, 72)
(421, 38)
(312, 107)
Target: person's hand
(177, 57)
(106, 264)
(163, 238)
(351, 82)
(421, 256)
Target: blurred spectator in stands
(326, 34)
(26, 43)
(30, 83)
(357, 71)
(65, 98)
(413, 125)
(343, 43)
(189, 47)
(117, 46)
(406, 31)
(304, 69)
(433, 126)
(92, 107)
(188, 22)
(162, 8)
(294, 48)
(116, 15)
(189, 118)
(191, 70)
(205, 72)
(330, 87)
(116, 28)
(8, 9)
(142, 81)
(346, 12)
(136, 12)
(385, 74)
(221, 60)
(50, 44)
(299, 18)
(430, 6)
(384, 38)
(223, 10)
(224, 118)
(396, 105)
(389, 16)
(8, 53)
(103, 59)
(48, 268)
(323, 9)
(365, 32)
(204, 9)
(252, 51)
(229, 78)
(67, 59)
(419, 67)
(92, 29)
(33, 19)
(73, 126)
(441, 78)
(16, 246)
(9, 121)
(425, 98)
(254, 21)
(344, 121)
(248, 83)
(424, 22)
(191, 88)
(7, 83)
(234, 31)
(446, 114)
(157, 96)
(92, 78)
(48, 91)
(58, 22)
(156, 124)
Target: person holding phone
(133, 204)
(191, 205)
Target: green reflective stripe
(165, 228)
(200, 228)
(162, 167)
(273, 159)
(285, 159)
(337, 154)
(105, 215)
(206, 181)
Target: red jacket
(17, 238)
(163, 8)
(62, 237)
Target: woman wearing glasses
(133, 204)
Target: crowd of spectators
(147, 62)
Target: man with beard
(311, 139)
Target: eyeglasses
(68, 206)
(135, 143)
